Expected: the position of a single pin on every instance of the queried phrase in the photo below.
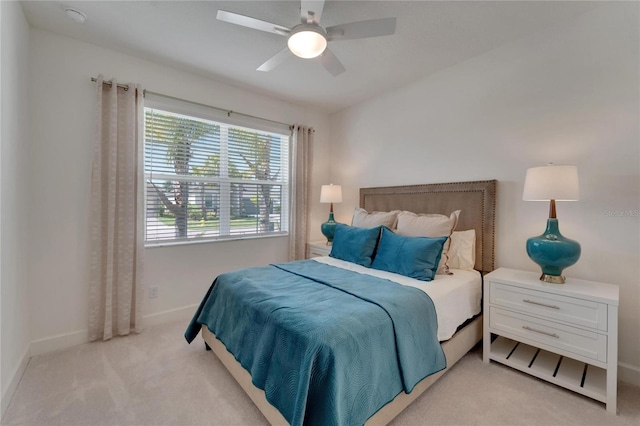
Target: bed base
(454, 349)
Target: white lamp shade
(331, 194)
(551, 182)
(306, 41)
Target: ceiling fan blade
(275, 60)
(362, 29)
(256, 24)
(331, 63)
(311, 11)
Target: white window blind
(210, 178)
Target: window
(211, 177)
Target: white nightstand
(318, 248)
(566, 334)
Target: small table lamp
(330, 194)
(552, 251)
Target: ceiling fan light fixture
(307, 41)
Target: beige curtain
(301, 159)
(117, 239)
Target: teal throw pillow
(355, 245)
(414, 257)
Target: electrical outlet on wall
(153, 292)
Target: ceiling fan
(309, 39)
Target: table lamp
(330, 194)
(551, 250)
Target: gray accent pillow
(365, 219)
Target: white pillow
(364, 219)
(462, 251)
(430, 225)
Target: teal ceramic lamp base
(329, 228)
(553, 252)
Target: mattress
(456, 297)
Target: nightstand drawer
(574, 340)
(580, 312)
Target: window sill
(152, 245)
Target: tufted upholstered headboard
(477, 200)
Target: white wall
(15, 333)
(568, 94)
(62, 120)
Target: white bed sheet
(456, 297)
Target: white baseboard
(7, 393)
(179, 314)
(629, 373)
(60, 341)
(66, 340)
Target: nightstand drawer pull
(541, 332)
(541, 304)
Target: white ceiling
(430, 36)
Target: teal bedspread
(327, 345)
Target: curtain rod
(110, 83)
(228, 111)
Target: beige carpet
(156, 378)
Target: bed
(477, 202)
